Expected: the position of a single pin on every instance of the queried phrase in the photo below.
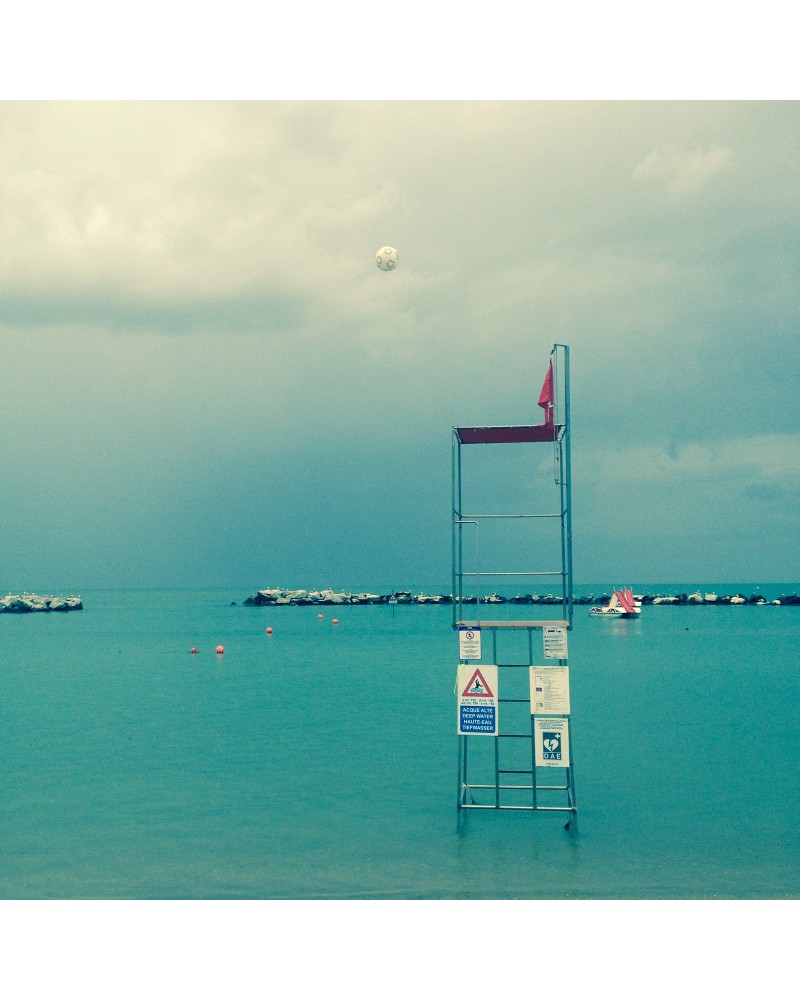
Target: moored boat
(622, 605)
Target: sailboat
(621, 605)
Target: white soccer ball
(387, 259)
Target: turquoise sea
(320, 762)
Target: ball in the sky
(387, 259)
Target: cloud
(768, 458)
(168, 206)
(721, 511)
(188, 294)
(733, 493)
(682, 171)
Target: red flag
(546, 395)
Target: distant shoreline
(301, 598)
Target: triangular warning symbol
(477, 687)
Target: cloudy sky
(207, 381)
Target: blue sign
(477, 719)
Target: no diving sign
(477, 700)
(469, 642)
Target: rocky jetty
(24, 603)
(326, 597)
(274, 597)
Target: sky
(208, 381)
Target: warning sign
(477, 687)
(477, 700)
(552, 742)
(469, 642)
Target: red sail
(625, 598)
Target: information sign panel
(549, 690)
(554, 640)
(469, 642)
(477, 700)
(552, 742)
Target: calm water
(320, 761)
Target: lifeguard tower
(512, 530)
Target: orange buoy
(269, 630)
(193, 649)
(320, 617)
(220, 649)
(335, 621)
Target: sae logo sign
(552, 742)
(551, 745)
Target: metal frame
(561, 496)
(496, 793)
(492, 786)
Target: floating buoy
(220, 649)
(269, 630)
(335, 621)
(320, 617)
(193, 649)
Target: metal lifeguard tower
(514, 750)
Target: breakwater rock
(273, 597)
(23, 603)
(327, 597)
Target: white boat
(621, 605)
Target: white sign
(477, 700)
(554, 638)
(549, 690)
(469, 642)
(552, 742)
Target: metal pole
(573, 802)
(533, 733)
(455, 543)
(497, 771)
(460, 774)
(568, 477)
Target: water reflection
(621, 626)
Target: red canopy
(548, 431)
(508, 435)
